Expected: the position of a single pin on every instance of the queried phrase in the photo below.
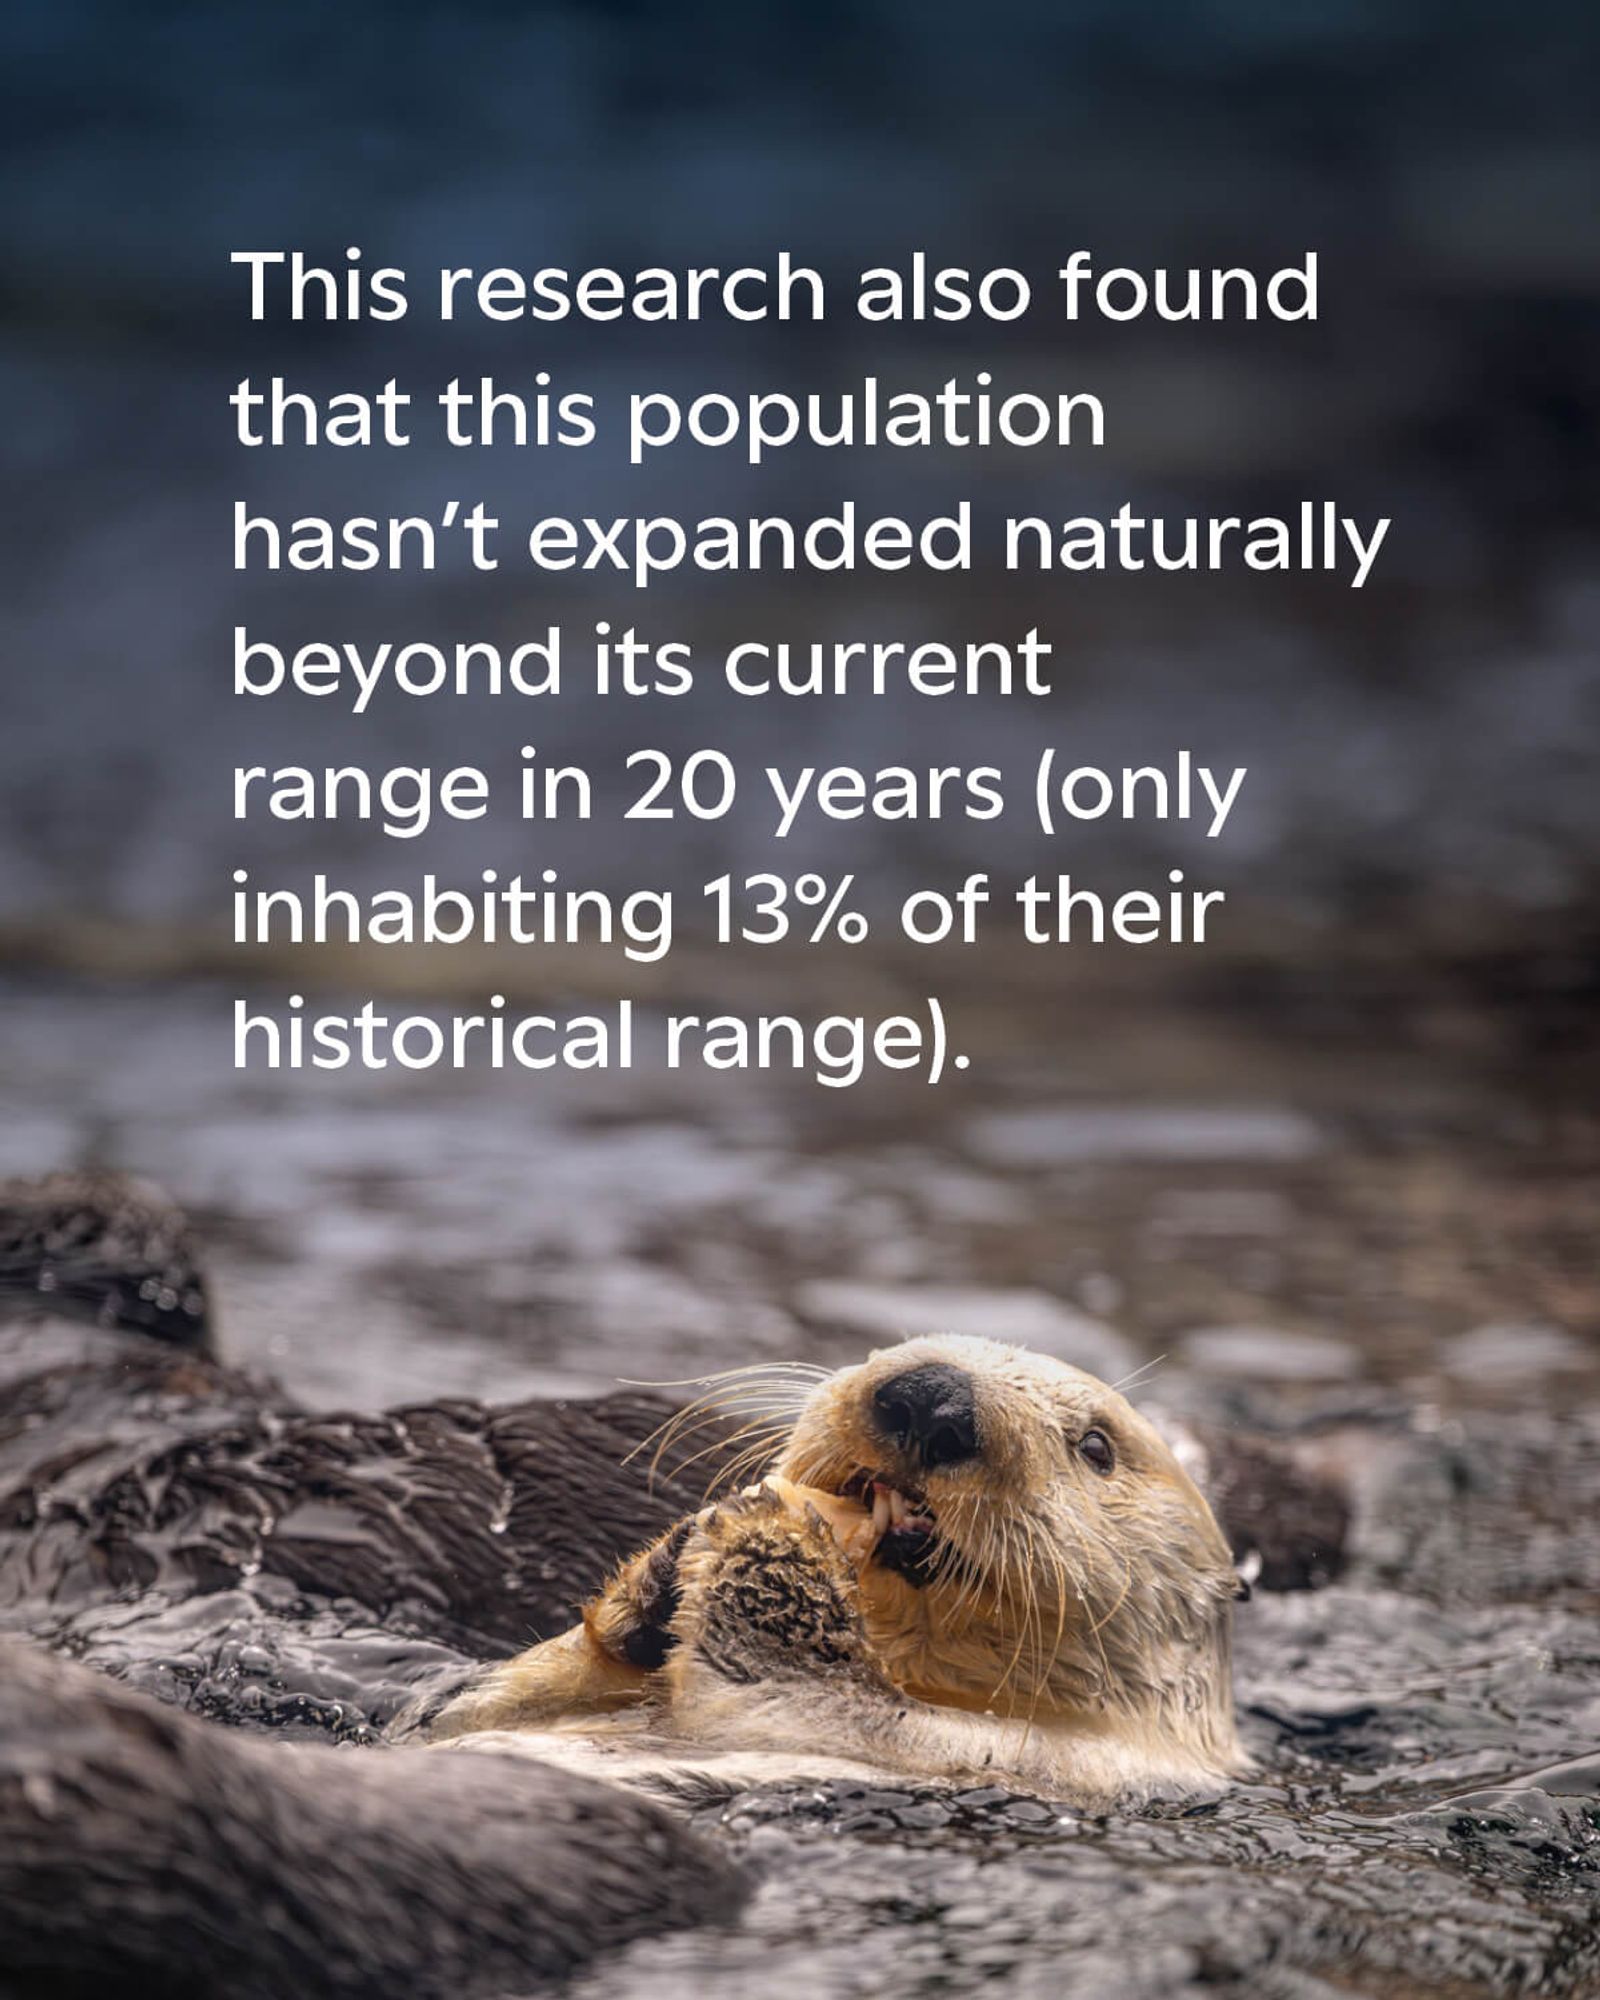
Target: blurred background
(1354, 1142)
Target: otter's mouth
(907, 1532)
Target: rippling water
(1383, 1255)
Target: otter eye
(1096, 1448)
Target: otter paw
(768, 1594)
(850, 1525)
(631, 1619)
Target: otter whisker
(735, 1395)
(954, 1558)
(691, 1416)
(1122, 1598)
(807, 1369)
(1026, 1651)
(751, 1459)
(766, 1439)
(979, 1567)
(1031, 1625)
(1046, 1666)
(1081, 1582)
(1059, 1569)
(1020, 1592)
(1139, 1374)
(991, 1558)
(1007, 1573)
(809, 1469)
(754, 1444)
(721, 1421)
(729, 1399)
(678, 1433)
(730, 1419)
(701, 1415)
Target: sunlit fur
(1071, 1629)
(1056, 1593)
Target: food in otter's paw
(871, 1519)
(856, 1532)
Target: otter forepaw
(605, 1662)
(846, 1521)
(631, 1619)
(768, 1593)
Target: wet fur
(145, 1853)
(1071, 1631)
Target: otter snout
(930, 1413)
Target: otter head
(1039, 1552)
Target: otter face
(1036, 1549)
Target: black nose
(929, 1411)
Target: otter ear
(1249, 1568)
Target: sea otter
(965, 1559)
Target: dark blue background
(1425, 747)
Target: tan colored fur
(1072, 1633)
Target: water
(1367, 1231)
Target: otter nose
(930, 1411)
